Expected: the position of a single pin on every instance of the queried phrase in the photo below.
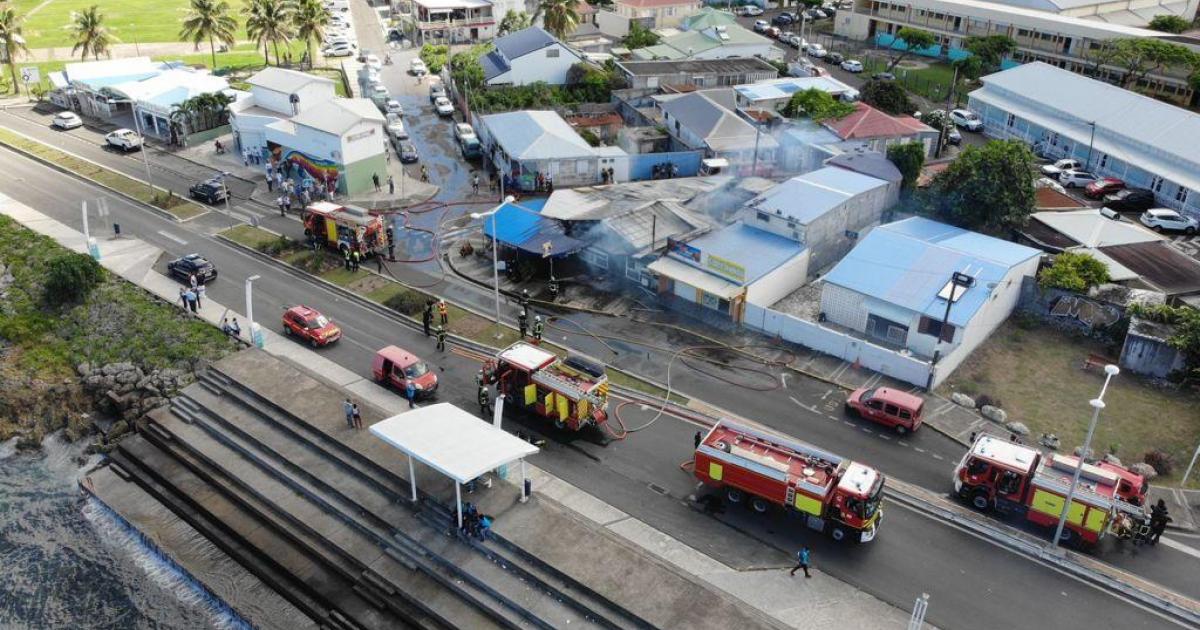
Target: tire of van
(901, 429)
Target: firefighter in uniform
(443, 312)
(525, 303)
(441, 338)
(485, 401)
(346, 256)
(538, 328)
(522, 323)
(553, 289)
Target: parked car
(883, 76)
(66, 120)
(339, 50)
(416, 67)
(407, 152)
(966, 119)
(817, 50)
(185, 266)
(396, 131)
(792, 39)
(211, 192)
(462, 131)
(1066, 164)
(1130, 200)
(1163, 219)
(1072, 178)
(397, 368)
(773, 32)
(835, 58)
(124, 139)
(436, 89)
(443, 106)
(889, 407)
(1103, 186)
(308, 324)
(751, 10)
(811, 14)
(783, 19)
(471, 148)
(379, 94)
(852, 65)
(373, 62)
(761, 25)
(393, 107)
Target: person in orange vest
(443, 312)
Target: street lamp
(137, 126)
(495, 247)
(1097, 404)
(255, 334)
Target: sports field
(132, 21)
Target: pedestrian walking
(801, 562)
(270, 183)
(522, 323)
(696, 440)
(475, 183)
(192, 280)
(282, 206)
(191, 300)
(278, 179)
(441, 338)
(235, 329)
(1158, 521)
(357, 417)
(379, 262)
(375, 180)
(287, 205)
(410, 392)
(348, 408)
(391, 185)
(525, 302)
(485, 401)
(200, 293)
(424, 174)
(538, 328)
(427, 320)
(183, 297)
(485, 526)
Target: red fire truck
(344, 227)
(833, 494)
(571, 391)
(1012, 478)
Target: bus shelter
(452, 442)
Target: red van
(888, 407)
(398, 367)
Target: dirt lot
(1036, 373)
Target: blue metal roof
(519, 225)
(909, 262)
(758, 251)
(807, 197)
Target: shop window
(1181, 195)
(1156, 184)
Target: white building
(659, 13)
(709, 34)
(524, 144)
(775, 94)
(697, 121)
(528, 56)
(297, 118)
(1143, 141)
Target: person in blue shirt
(801, 562)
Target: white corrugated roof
(283, 80)
(1091, 229)
(536, 135)
(452, 441)
(339, 115)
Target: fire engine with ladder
(833, 494)
(1016, 479)
(344, 227)
(573, 392)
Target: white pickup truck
(124, 139)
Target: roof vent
(1110, 214)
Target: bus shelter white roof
(452, 441)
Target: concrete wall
(251, 130)
(1150, 357)
(641, 165)
(663, 17)
(549, 65)
(612, 24)
(777, 284)
(356, 177)
(364, 140)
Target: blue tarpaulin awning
(519, 225)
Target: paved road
(973, 585)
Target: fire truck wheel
(760, 505)
(734, 496)
(981, 501)
(837, 533)
(559, 424)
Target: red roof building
(878, 129)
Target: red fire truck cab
(1012, 478)
(833, 494)
(343, 227)
(573, 392)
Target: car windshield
(318, 322)
(868, 395)
(416, 370)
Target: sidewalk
(823, 601)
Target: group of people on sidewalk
(353, 416)
(282, 177)
(476, 524)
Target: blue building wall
(641, 165)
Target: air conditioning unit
(1110, 213)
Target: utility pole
(941, 140)
(957, 279)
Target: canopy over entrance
(452, 442)
(519, 225)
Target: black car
(184, 267)
(408, 153)
(211, 191)
(1130, 200)
(783, 19)
(835, 58)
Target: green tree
(269, 22)
(434, 57)
(11, 25)
(310, 21)
(990, 50)
(209, 20)
(887, 96)
(639, 37)
(70, 277)
(466, 69)
(988, 187)
(560, 17)
(514, 21)
(914, 39)
(909, 157)
(1142, 56)
(1169, 24)
(90, 33)
(817, 104)
(1073, 271)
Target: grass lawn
(250, 236)
(130, 20)
(1035, 372)
(930, 82)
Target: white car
(443, 106)
(749, 10)
(966, 119)
(1160, 219)
(124, 139)
(338, 40)
(340, 50)
(393, 107)
(852, 65)
(761, 25)
(1056, 169)
(379, 94)
(373, 62)
(1072, 178)
(396, 131)
(67, 120)
(462, 131)
(817, 50)
(417, 67)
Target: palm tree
(90, 33)
(269, 21)
(310, 21)
(560, 17)
(209, 20)
(11, 39)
